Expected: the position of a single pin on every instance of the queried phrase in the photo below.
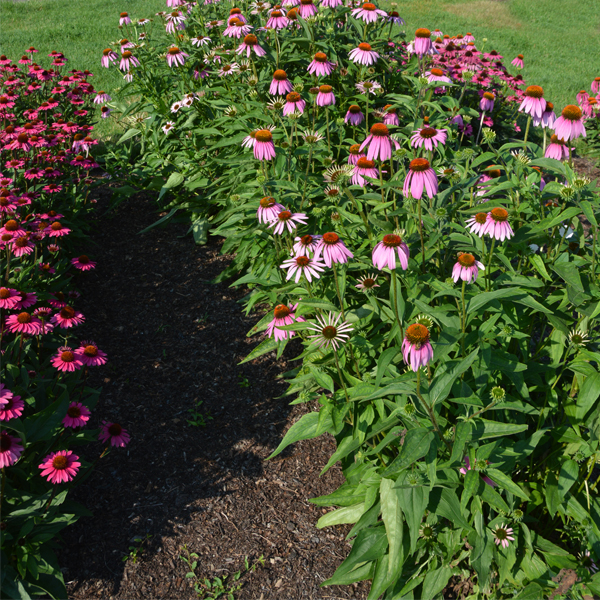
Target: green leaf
(569, 474)
(342, 516)
(446, 504)
(532, 592)
(435, 582)
(538, 263)
(484, 298)
(128, 135)
(589, 213)
(471, 485)
(268, 345)
(304, 429)
(461, 436)
(393, 520)
(588, 395)
(415, 446)
(384, 361)
(322, 378)
(414, 501)
(174, 180)
(505, 482)
(484, 429)
(569, 273)
(200, 229)
(553, 500)
(442, 385)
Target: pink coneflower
(280, 84)
(10, 449)
(58, 300)
(416, 348)
(26, 299)
(364, 55)
(264, 148)
(236, 28)
(548, 117)
(325, 97)
(12, 408)
(268, 210)
(283, 315)
(24, 323)
(128, 61)
(124, 19)
(108, 56)
(467, 467)
(57, 229)
(364, 168)
(428, 137)
(249, 45)
(77, 415)
(518, 61)
(420, 177)
(200, 40)
(557, 149)
(367, 87)
(384, 253)
(277, 20)
(60, 467)
(332, 249)
(477, 223)
(503, 535)
(395, 19)
(12, 228)
(293, 103)
(569, 126)
(486, 103)
(422, 43)
(497, 226)
(68, 317)
(354, 116)
(368, 12)
(366, 283)
(175, 56)
(228, 69)
(307, 9)
(533, 102)
(22, 246)
(5, 394)
(67, 360)
(379, 143)
(105, 112)
(21, 142)
(582, 97)
(305, 245)
(320, 66)
(390, 115)
(90, 355)
(466, 268)
(286, 218)
(354, 154)
(8, 298)
(330, 332)
(46, 268)
(237, 12)
(303, 265)
(117, 435)
(83, 263)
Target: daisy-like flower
(354, 154)
(354, 116)
(518, 61)
(503, 535)
(476, 224)
(90, 355)
(422, 44)
(83, 263)
(305, 245)
(268, 210)
(286, 218)
(12, 408)
(102, 98)
(364, 168)
(390, 115)
(280, 84)
(24, 323)
(113, 432)
(384, 253)
(497, 225)
(8, 297)
(5, 394)
(330, 332)
(578, 338)
(437, 76)
(249, 45)
(276, 104)
(277, 20)
(332, 249)
(367, 283)
(557, 149)
(395, 18)
(68, 317)
(105, 112)
(60, 467)
(320, 66)
(176, 56)
(367, 87)
(77, 415)
(364, 55)
(26, 299)
(200, 40)
(236, 28)
(533, 102)
(379, 143)
(466, 268)
(108, 56)
(57, 229)
(10, 449)
(428, 137)
(283, 315)
(124, 19)
(569, 126)
(420, 177)
(548, 117)
(67, 360)
(311, 137)
(486, 103)
(168, 127)
(588, 562)
(228, 69)
(302, 265)
(293, 103)
(325, 97)
(264, 148)
(416, 348)
(368, 12)
(128, 60)
(307, 9)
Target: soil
(174, 340)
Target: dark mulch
(174, 339)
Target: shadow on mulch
(173, 340)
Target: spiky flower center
(494, 173)
(500, 215)
(306, 240)
(22, 241)
(4, 293)
(235, 11)
(5, 442)
(250, 40)
(293, 15)
(422, 32)
(368, 282)
(329, 332)
(276, 14)
(331, 238)
(394, 14)
(280, 75)
(501, 533)
(126, 54)
(417, 334)
(534, 91)
(392, 240)
(365, 47)
(74, 412)
(365, 163)
(67, 312)
(572, 112)
(481, 218)
(56, 226)
(83, 259)
(520, 56)
(60, 462)
(67, 356)
(174, 50)
(380, 130)
(264, 135)
(489, 96)
(293, 97)
(320, 57)
(325, 89)
(24, 318)
(22, 138)
(284, 215)
(428, 132)
(369, 6)
(354, 109)
(466, 260)
(419, 164)
(282, 311)
(90, 350)
(554, 139)
(355, 148)
(106, 51)
(302, 261)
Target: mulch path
(174, 339)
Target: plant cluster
(45, 404)
(411, 213)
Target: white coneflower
(330, 332)
(167, 127)
(578, 338)
(311, 137)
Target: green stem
(526, 133)
(310, 151)
(430, 411)
(463, 318)
(395, 303)
(421, 234)
(489, 265)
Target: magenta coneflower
(330, 332)
(12, 408)
(325, 96)
(68, 317)
(368, 12)
(307, 9)
(128, 60)
(57, 229)
(364, 55)
(428, 137)
(366, 283)
(497, 226)
(303, 265)
(264, 148)
(236, 28)
(277, 20)
(533, 102)
(569, 125)
(305, 245)
(416, 348)
(518, 61)
(22, 245)
(83, 263)
(60, 467)
(367, 87)
(477, 223)
(582, 97)
(320, 66)
(422, 43)
(557, 149)
(280, 84)
(8, 298)
(420, 177)
(283, 315)
(437, 76)
(548, 117)
(268, 210)
(176, 57)
(108, 56)
(466, 268)
(26, 299)
(10, 449)
(5, 394)
(379, 143)
(293, 103)
(332, 249)
(286, 218)
(354, 154)
(503, 535)
(486, 103)
(390, 115)
(77, 415)
(354, 116)
(90, 355)
(395, 19)
(331, 3)
(249, 45)
(364, 168)
(124, 19)
(24, 323)
(384, 253)
(67, 360)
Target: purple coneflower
(364, 55)
(395, 19)
(390, 115)
(497, 226)
(283, 315)
(518, 61)
(503, 535)
(466, 268)
(416, 348)
(486, 103)
(325, 97)
(320, 66)
(307, 9)
(354, 116)
(293, 103)
(330, 332)
(10, 449)
(428, 137)
(175, 56)
(367, 87)
(124, 19)
(366, 283)
(548, 117)
(83, 263)
(557, 149)
(436, 75)
(24, 323)
(379, 143)
(90, 355)
(249, 45)
(303, 265)
(77, 415)
(533, 102)
(128, 60)
(368, 12)
(268, 210)
(12, 408)
(420, 177)
(264, 148)
(332, 249)
(280, 84)
(285, 218)
(569, 126)
(108, 56)
(422, 43)
(305, 245)
(384, 253)
(364, 168)
(277, 20)
(467, 467)
(476, 224)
